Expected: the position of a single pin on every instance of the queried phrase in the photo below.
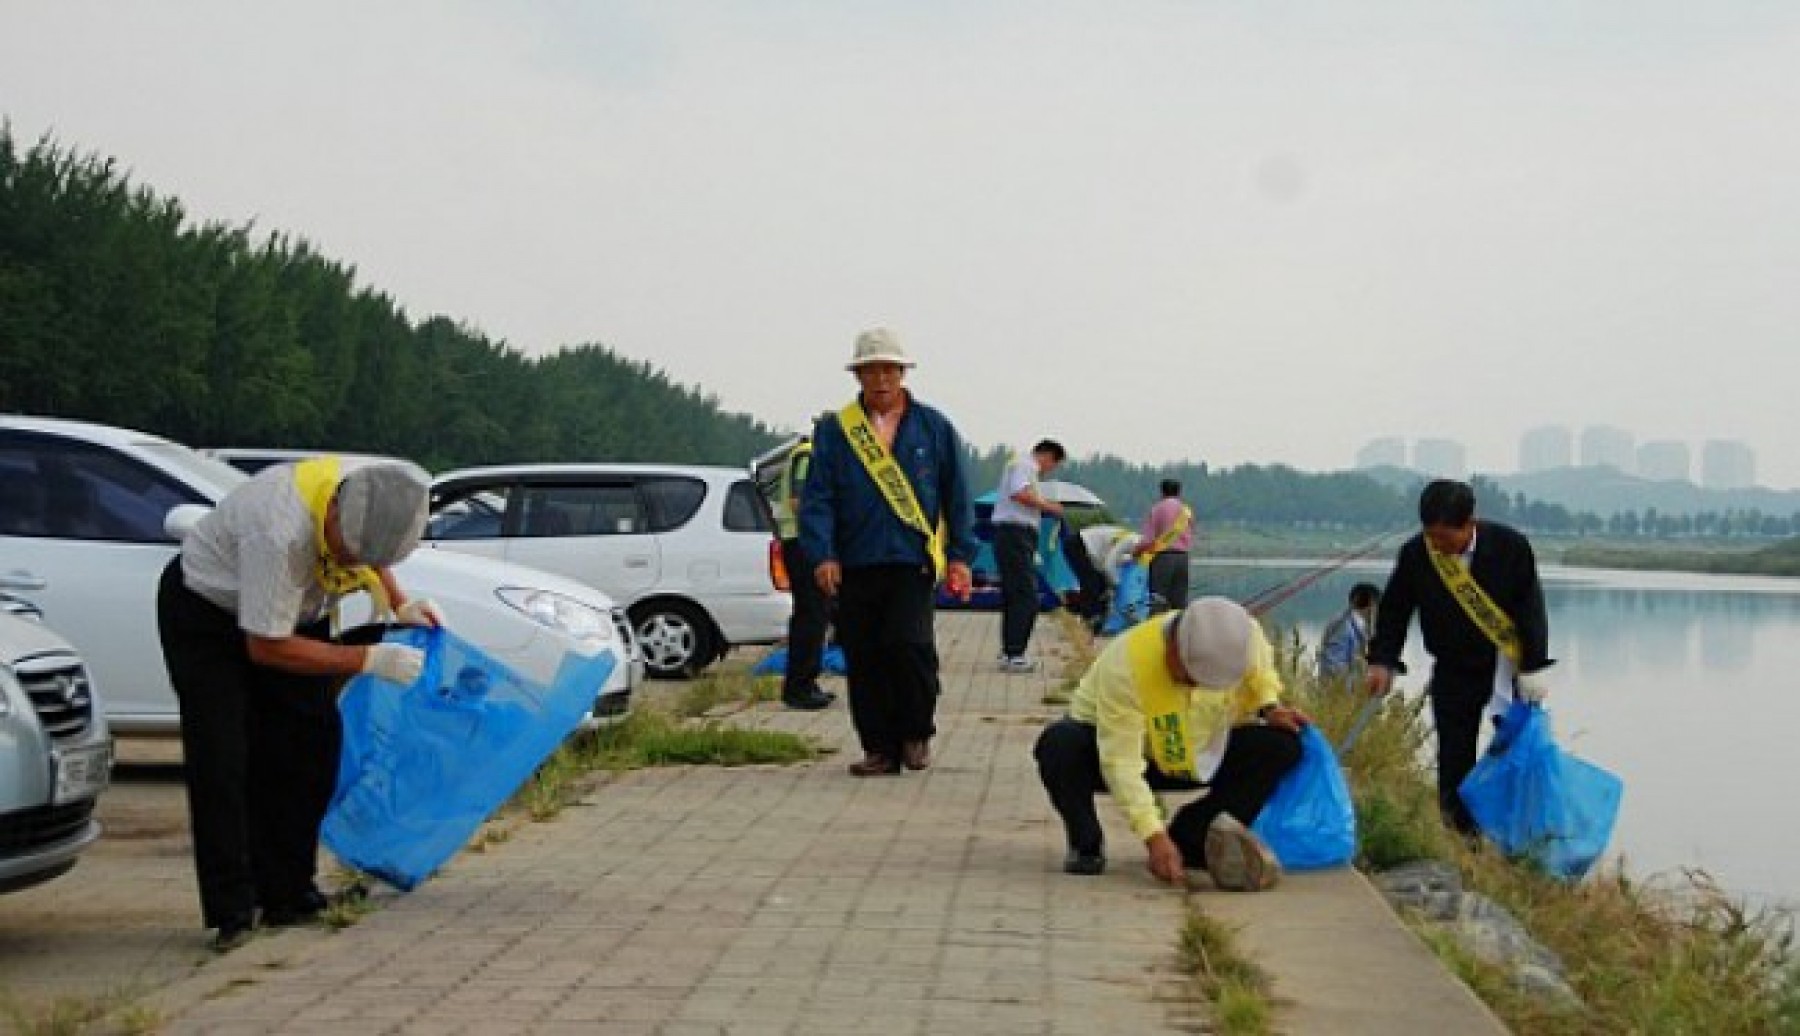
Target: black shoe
(810, 700)
(288, 917)
(874, 764)
(311, 905)
(1078, 862)
(233, 932)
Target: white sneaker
(1238, 860)
(1018, 664)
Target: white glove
(1532, 687)
(420, 611)
(396, 663)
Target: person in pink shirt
(1167, 535)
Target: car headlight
(565, 614)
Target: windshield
(215, 477)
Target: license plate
(82, 773)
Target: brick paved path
(778, 900)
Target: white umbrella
(1069, 493)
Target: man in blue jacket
(886, 514)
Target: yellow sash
(1481, 609)
(316, 480)
(1170, 534)
(1168, 705)
(879, 462)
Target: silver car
(55, 753)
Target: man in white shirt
(1018, 510)
(243, 616)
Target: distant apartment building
(1546, 448)
(1604, 444)
(1440, 458)
(1664, 460)
(1388, 451)
(1727, 464)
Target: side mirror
(181, 520)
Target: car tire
(676, 637)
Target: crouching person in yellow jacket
(1179, 702)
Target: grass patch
(553, 786)
(1676, 955)
(652, 738)
(1236, 986)
(73, 1014)
(669, 733)
(137, 1020)
(724, 688)
(351, 903)
(1083, 649)
(659, 736)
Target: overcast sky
(1238, 232)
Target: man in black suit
(1469, 669)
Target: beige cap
(381, 510)
(1212, 636)
(878, 346)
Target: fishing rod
(1266, 600)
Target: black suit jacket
(1504, 566)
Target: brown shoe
(874, 764)
(916, 755)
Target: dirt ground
(127, 918)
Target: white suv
(91, 515)
(688, 550)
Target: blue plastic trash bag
(831, 660)
(1537, 801)
(1130, 601)
(424, 766)
(1054, 573)
(1310, 821)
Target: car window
(609, 509)
(745, 509)
(193, 467)
(471, 514)
(80, 491)
(672, 500)
(252, 465)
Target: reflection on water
(1683, 685)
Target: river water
(1683, 685)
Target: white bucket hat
(878, 346)
(1212, 636)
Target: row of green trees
(116, 307)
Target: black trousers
(1015, 548)
(1168, 577)
(1256, 758)
(260, 750)
(1094, 588)
(806, 626)
(884, 623)
(1459, 699)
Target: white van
(689, 550)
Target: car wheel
(676, 638)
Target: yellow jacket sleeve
(1119, 722)
(1108, 698)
